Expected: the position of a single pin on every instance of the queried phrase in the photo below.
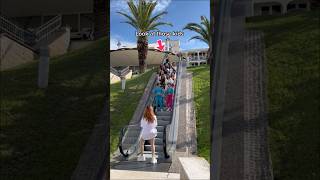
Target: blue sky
(180, 12)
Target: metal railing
(48, 28)
(16, 32)
(123, 134)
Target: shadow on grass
(43, 131)
(292, 53)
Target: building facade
(195, 57)
(277, 7)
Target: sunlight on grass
(201, 90)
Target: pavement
(125, 174)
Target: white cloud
(121, 5)
(162, 5)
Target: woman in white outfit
(149, 132)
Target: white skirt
(149, 135)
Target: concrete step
(128, 143)
(160, 128)
(163, 123)
(142, 175)
(164, 113)
(160, 135)
(159, 148)
(159, 141)
(165, 118)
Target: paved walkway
(123, 174)
(244, 153)
(257, 164)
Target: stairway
(29, 39)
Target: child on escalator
(169, 97)
(158, 98)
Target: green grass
(43, 131)
(292, 51)
(124, 103)
(201, 90)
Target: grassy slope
(201, 90)
(43, 132)
(124, 103)
(292, 50)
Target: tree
(203, 30)
(143, 19)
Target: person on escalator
(169, 97)
(149, 132)
(158, 98)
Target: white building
(195, 57)
(172, 46)
(274, 7)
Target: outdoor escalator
(129, 145)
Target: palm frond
(142, 15)
(203, 29)
(153, 26)
(199, 38)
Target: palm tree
(143, 19)
(203, 29)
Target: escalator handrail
(164, 140)
(124, 129)
(172, 135)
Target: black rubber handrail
(122, 133)
(164, 139)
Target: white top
(149, 130)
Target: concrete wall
(115, 79)
(13, 53)
(60, 44)
(192, 168)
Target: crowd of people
(163, 98)
(164, 90)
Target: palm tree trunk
(142, 46)
(209, 56)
